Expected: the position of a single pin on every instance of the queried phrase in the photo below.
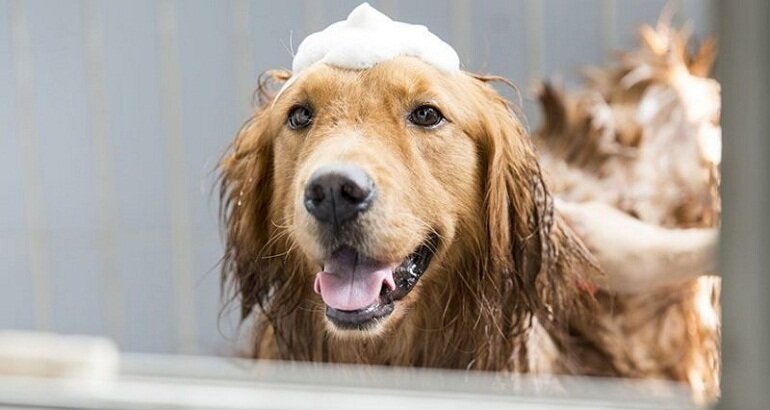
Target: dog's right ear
(245, 191)
(541, 260)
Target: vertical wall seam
(608, 27)
(181, 230)
(38, 235)
(535, 40)
(462, 31)
(94, 44)
(312, 17)
(245, 76)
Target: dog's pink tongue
(349, 282)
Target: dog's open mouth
(358, 291)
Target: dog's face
(375, 179)
(373, 174)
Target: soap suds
(368, 37)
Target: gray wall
(744, 257)
(113, 114)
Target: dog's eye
(426, 116)
(299, 117)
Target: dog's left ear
(245, 183)
(543, 258)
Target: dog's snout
(336, 194)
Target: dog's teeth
(317, 284)
(389, 283)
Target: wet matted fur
(510, 287)
(643, 136)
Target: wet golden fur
(510, 286)
(597, 146)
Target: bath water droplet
(240, 203)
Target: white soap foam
(368, 37)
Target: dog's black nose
(336, 194)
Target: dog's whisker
(286, 226)
(280, 235)
(277, 255)
(291, 248)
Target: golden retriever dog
(643, 136)
(397, 215)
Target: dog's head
(356, 190)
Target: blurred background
(113, 115)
